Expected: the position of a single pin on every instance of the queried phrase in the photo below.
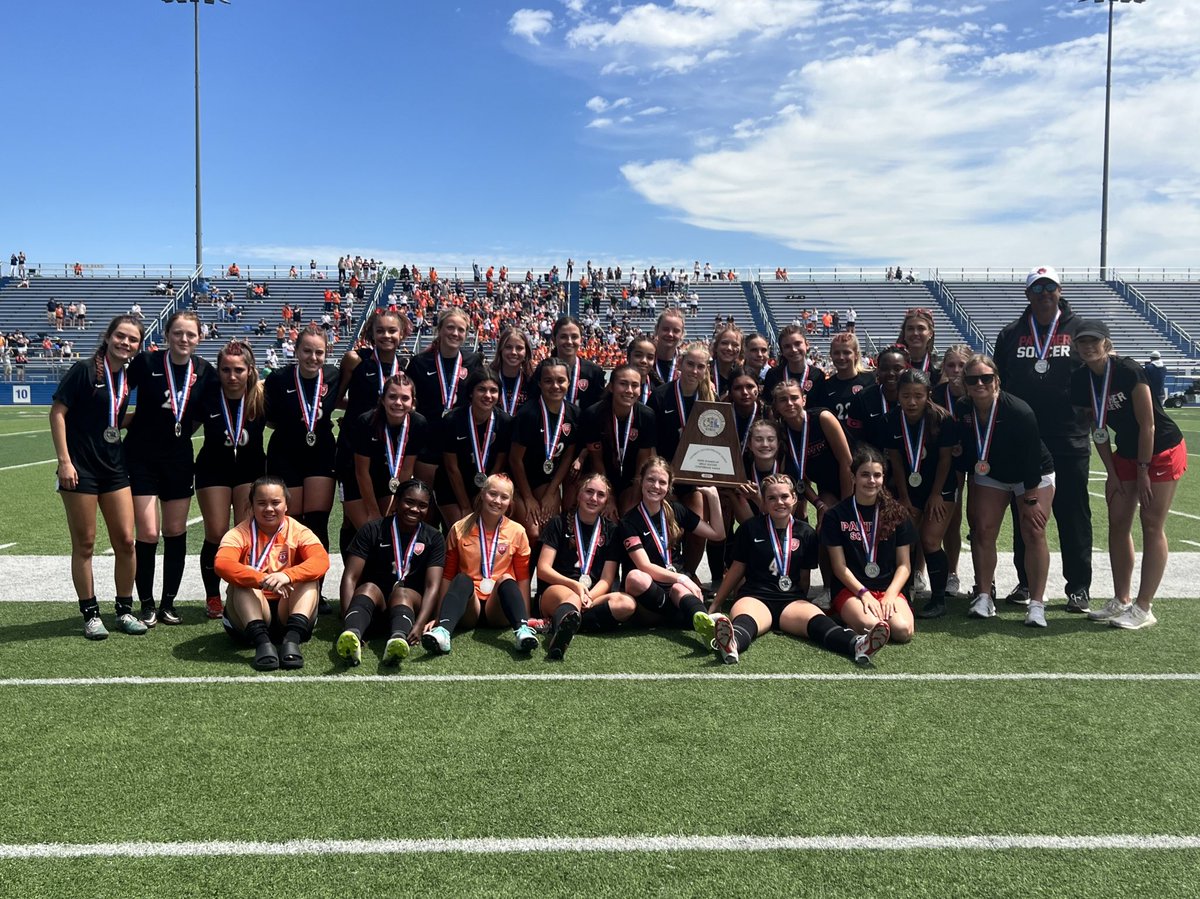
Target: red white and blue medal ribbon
(646, 389)
(310, 413)
(586, 557)
(403, 557)
(671, 372)
(259, 559)
(661, 541)
(783, 554)
(749, 425)
(758, 477)
(912, 450)
(679, 405)
(1040, 348)
(622, 444)
(550, 438)
(574, 388)
(449, 391)
(1100, 400)
(233, 429)
(870, 546)
(395, 449)
(508, 403)
(487, 554)
(983, 440)
(787, 373)
(116, 395)
(716, 377)
(383, 379)
(481, 456)
(801, 458)
(179, 400)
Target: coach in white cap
(1035, 358)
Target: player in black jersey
(85, 421)
(726, 352)
(232, 412)
(848, 380)
(475, 440)
(513, 365)
(543, 447)
(640, 354)
(393, 564)
(757, 350)
(158, 450)
(774, 554)
(585, 379)
(794, 364)
(946, 393)
(440, 371)
(918, 336)
(865, 421)
(617, 436)
(669, 330)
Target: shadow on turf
(70, 625)
(1009, 622)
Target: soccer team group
(464, 481)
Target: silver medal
(982, 468)
(311, 438)
(1100, 435)
(1041, 366)
(393, 485)
(871, 569)
(548, 467)
(112, 435)
(785, 583)
(585, 581)
(914, 479)
(486, 586)
(480, 479)
(178, 429)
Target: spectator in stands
(78, 270)
(851, 319)
(707, 271)
(21, 273)
(1156, 376)
(272, 359)
(292, 273)
(81, 316)
(312, 269)
(50, 307)
(12, 265)
(136, 311)
(6, 357)
(233, 271)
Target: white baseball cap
(1042, 272)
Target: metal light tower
(196, 41)
(1107, 106)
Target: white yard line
(410, 679)
(1172, 511)
(26, 433)
(607, 844)
(1188, 542)
(11, 545)
(28, 464)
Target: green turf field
(981, 730)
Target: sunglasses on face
(1043, 287)
(972, 380)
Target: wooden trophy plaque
(709, 450)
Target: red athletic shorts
(845, 596)
(1169, 465)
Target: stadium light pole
(196, 50)
(1107, 113)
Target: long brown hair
(674, 531)
(891, 513)
(102, 349)
(705, 390)
(255, 404)
(379, 415)
(498, 359)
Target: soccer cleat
(148, 615)
(1019, 596)
(349, 647)
(323, 607)
(396, 651)
(94, 629)
(953, 587)
(214, 608)
(169, 615)
(539, 625)
(436, 639)
(560, 637)
(1078, 602)
(724, 640)
(1036, 615)
(704, 625)
(935, 608)
(1112, 609)
(128, 623)
(982, 607)
(1134, 618)
(524, 638)
(866, 645)
(920, 585)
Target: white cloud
(652, 110)
(619, 102)
(915, 149)
(600, 123)
(597, 104)
(531, 24)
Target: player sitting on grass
(273, 565)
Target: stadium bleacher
(1179, 301)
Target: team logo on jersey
(418, 549)
(283, 557)
(795, 543)
(566, 429)
(502, 549)
(855, 389)
(582, 383)
(324, 389)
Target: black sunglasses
(972, 380)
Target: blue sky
(741, 132)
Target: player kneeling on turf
(272, 564)
(395, 563)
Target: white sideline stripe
(11, 545)
(1172, 511)
(196, 520)
(355, 679)
(1188, 542)
(28, 464)
(607, 844)
(26, 433)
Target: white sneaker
(1112, 609)
(866, 645)
(724, 639)
(1036, 616)
(1133, 619)
(982, 607)
(921, 586)
(953, 587)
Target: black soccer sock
(454, 603)
(299, 628)
(125, 605)
(690, 604)
(512, 603)
(208, 571)
(560, 613)
(89, 608)
(745, 629)
(318, 523)
(653, 599)
(144, 552)
(359, 615)
(402, 617)
(346, 537)
(257, 632)
(716, 560)
(939, 572)
(174, 558)
(599, 618)
(826, 632)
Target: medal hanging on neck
(310, 413)
(800, 459)
(383, 379)
(586, 557)
(662, 541)
(870, 546)
(983, 440)
(746, 432)
(401, 556)
(394, 450)
(573, 390)
(487, 556)
(507, 402)
(680, 406)
(915, 451)
(645, 389)
(550, 437)
(787, 374)
(1042, 349)
(716, 377)
(258, 558)
(178, 398)
(758, 477)
(620, 443)
(783, 554)
(117, 389)
(670, 375)
(481, 455)
(233, 427)
(1100, 403)
(449, 390)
